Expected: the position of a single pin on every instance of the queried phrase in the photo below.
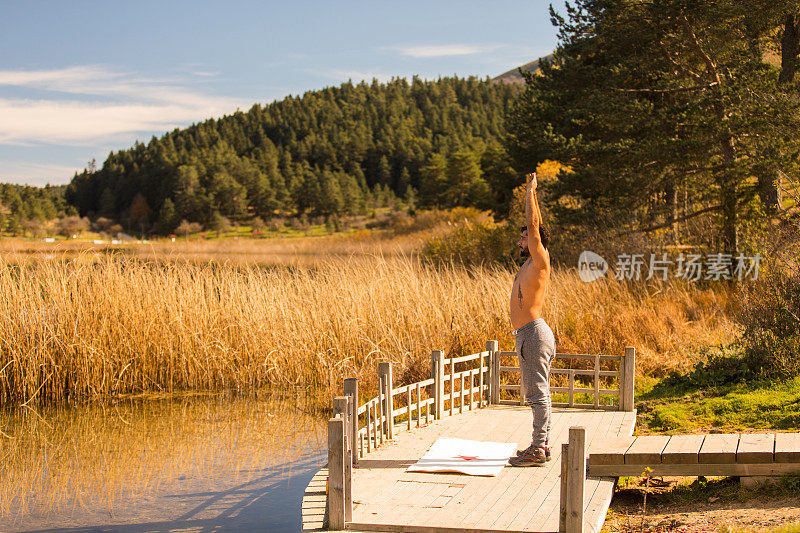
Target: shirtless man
(535, 343)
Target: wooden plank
(719, 469)
(646, 450)
(548, 513)
(787, 447)
(579, 372)
(485, 503)
(719, 448)
(587, 357)
(682, 449)
(756, 448)
(476, 503)
(519, 507)
(610, 451)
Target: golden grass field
(82, 322)
(97, 325)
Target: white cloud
(443, 50)
(128, 104)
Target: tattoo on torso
(519, 295)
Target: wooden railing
(456, 384)
(621, 389)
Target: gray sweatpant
(536, 348)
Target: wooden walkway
(748, 454)
(386, 498)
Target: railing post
(576, 479)
(351, 390)
(336, 497)
(496, 378)
(385, 370)
(491, 347)
(562, 509)
(438, 384)
(342, 407)
(627, 378)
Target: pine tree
(167, 217)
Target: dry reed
(100, 326)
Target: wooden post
(336, 505)
(471, 388)
(571, 385)
(419, 404)
(438, 385)
(596, 381)
(351, 390)
(375, 423)
(461, 394)
(496, 378)
(452, 384)
(562, 510)
(481, 369)
(491, 347)
(408, 407)
(342, 409)
(380, 407)
(369, 427)
(576, 479)
(385, 371)
(628, 376)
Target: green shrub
(771, 318)
(476, 243)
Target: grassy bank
(99, 326)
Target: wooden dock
(477, 397)
(466, 398)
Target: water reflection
(209, 463)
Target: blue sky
(79, 79)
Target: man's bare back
(530, 284)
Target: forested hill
(326, 152)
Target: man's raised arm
(533, 217)
(533, 220)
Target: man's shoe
(530, 449)
(537, 457)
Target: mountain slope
(514, 77)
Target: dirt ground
(684, 505)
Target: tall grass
(99, 326)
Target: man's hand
(532, 183)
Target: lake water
(194, 463)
